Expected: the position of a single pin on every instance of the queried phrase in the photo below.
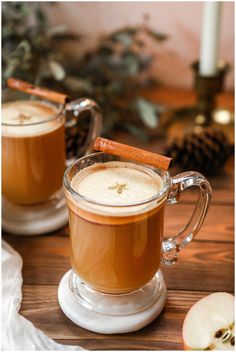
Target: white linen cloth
(18, 333)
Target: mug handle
(173, 245)
(76, 108)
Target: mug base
(110, 313)
(34, 219)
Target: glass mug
(116, 250)
(33, 153)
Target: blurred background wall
(181, 21)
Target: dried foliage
(112, 74)
(31, 50)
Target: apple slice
(209, 324)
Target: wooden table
(204, 266)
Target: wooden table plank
(116, 344)
(219, 196)
(41, 307)
(208, 267)
(176, 98)
(46, 259)
(218, 226)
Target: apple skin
(185, 347)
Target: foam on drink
(117, 183)
(24, 118)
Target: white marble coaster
(105, 323)
(35, 219)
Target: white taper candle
(210, 38)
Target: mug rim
(76, 194)
(42, 101)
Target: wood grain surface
(206, 265)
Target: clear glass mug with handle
(34, 155)
(117, 249)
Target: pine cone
(205, 151)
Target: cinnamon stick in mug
(47, 94)
(132, 153)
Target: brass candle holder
(204, 112)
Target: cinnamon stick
(132, 153)
(28, 88)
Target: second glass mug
(34, 154)
(118, 254)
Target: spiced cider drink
(116, 249)
(33, 151)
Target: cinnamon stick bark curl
(44, 93)
(132, 153)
